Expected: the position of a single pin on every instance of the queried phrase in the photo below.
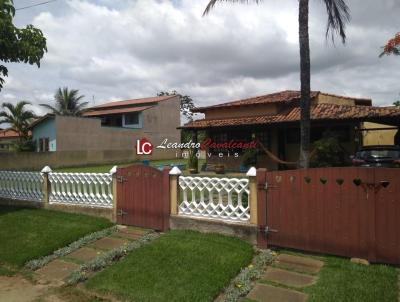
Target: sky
(125, 49)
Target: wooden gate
(352, 212)
(143, 197)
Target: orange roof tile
(278, 97)
(318, 112)
(9, 133)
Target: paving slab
(288, 278)
(56, 270)
(268, 293)
(108, 243)
(84, 254)
(302, 264)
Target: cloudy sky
(120, 49)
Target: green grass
(27, 234)
(341, 280)
(179, 266)
(107, 168)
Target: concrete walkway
(284, 280)
(53, 275)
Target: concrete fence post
(174, 190)
(113, 172)
(46, 185)
(252, 175)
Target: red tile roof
(9, 133)
(116, 111)
(278, 97)
(133, 102)
(318, 112)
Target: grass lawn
(27, 234)
(107, 168)
(341, 280)
(179, 266)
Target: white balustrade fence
(89, 189)
(220, 198)
(21, 185)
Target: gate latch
(121, 179)
(121, 212)
(268, 230)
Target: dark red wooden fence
(143, 197)
(353, 212)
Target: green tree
(26, 45)
(397, 103)
(19, 118)
(187, 103)
(67, 102)
(338, 17)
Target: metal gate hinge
(121, 179)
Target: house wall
(378, 137)
(78, 133)
(331, 99)
(162, 121)
(46, 129)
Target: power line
(37, 4)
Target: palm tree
(338, 17)
(67, 102)
(18, 117)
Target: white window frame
(133, 126)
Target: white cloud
(127, 49)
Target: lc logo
(143, 147)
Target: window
(132, 119)
(44, 144)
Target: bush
(249, 157)
(328, 152)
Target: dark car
(378, 156)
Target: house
(111, 126)
(7, 138)
(273, 120)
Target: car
(387, 156)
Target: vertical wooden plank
(261, 206)
(165, 198)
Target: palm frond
(338, 17)
(51, 108)
(212, 3)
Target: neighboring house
(7, 138)
(111, 126)
(273, 119)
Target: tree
(68, 102)
(397, 103)
(338, 17)
(26, 45)
(187, 103)
(392, 46)
(19, 118)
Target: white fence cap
(252, 172)
(113, 170)
(175, 171)
(46, 169)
